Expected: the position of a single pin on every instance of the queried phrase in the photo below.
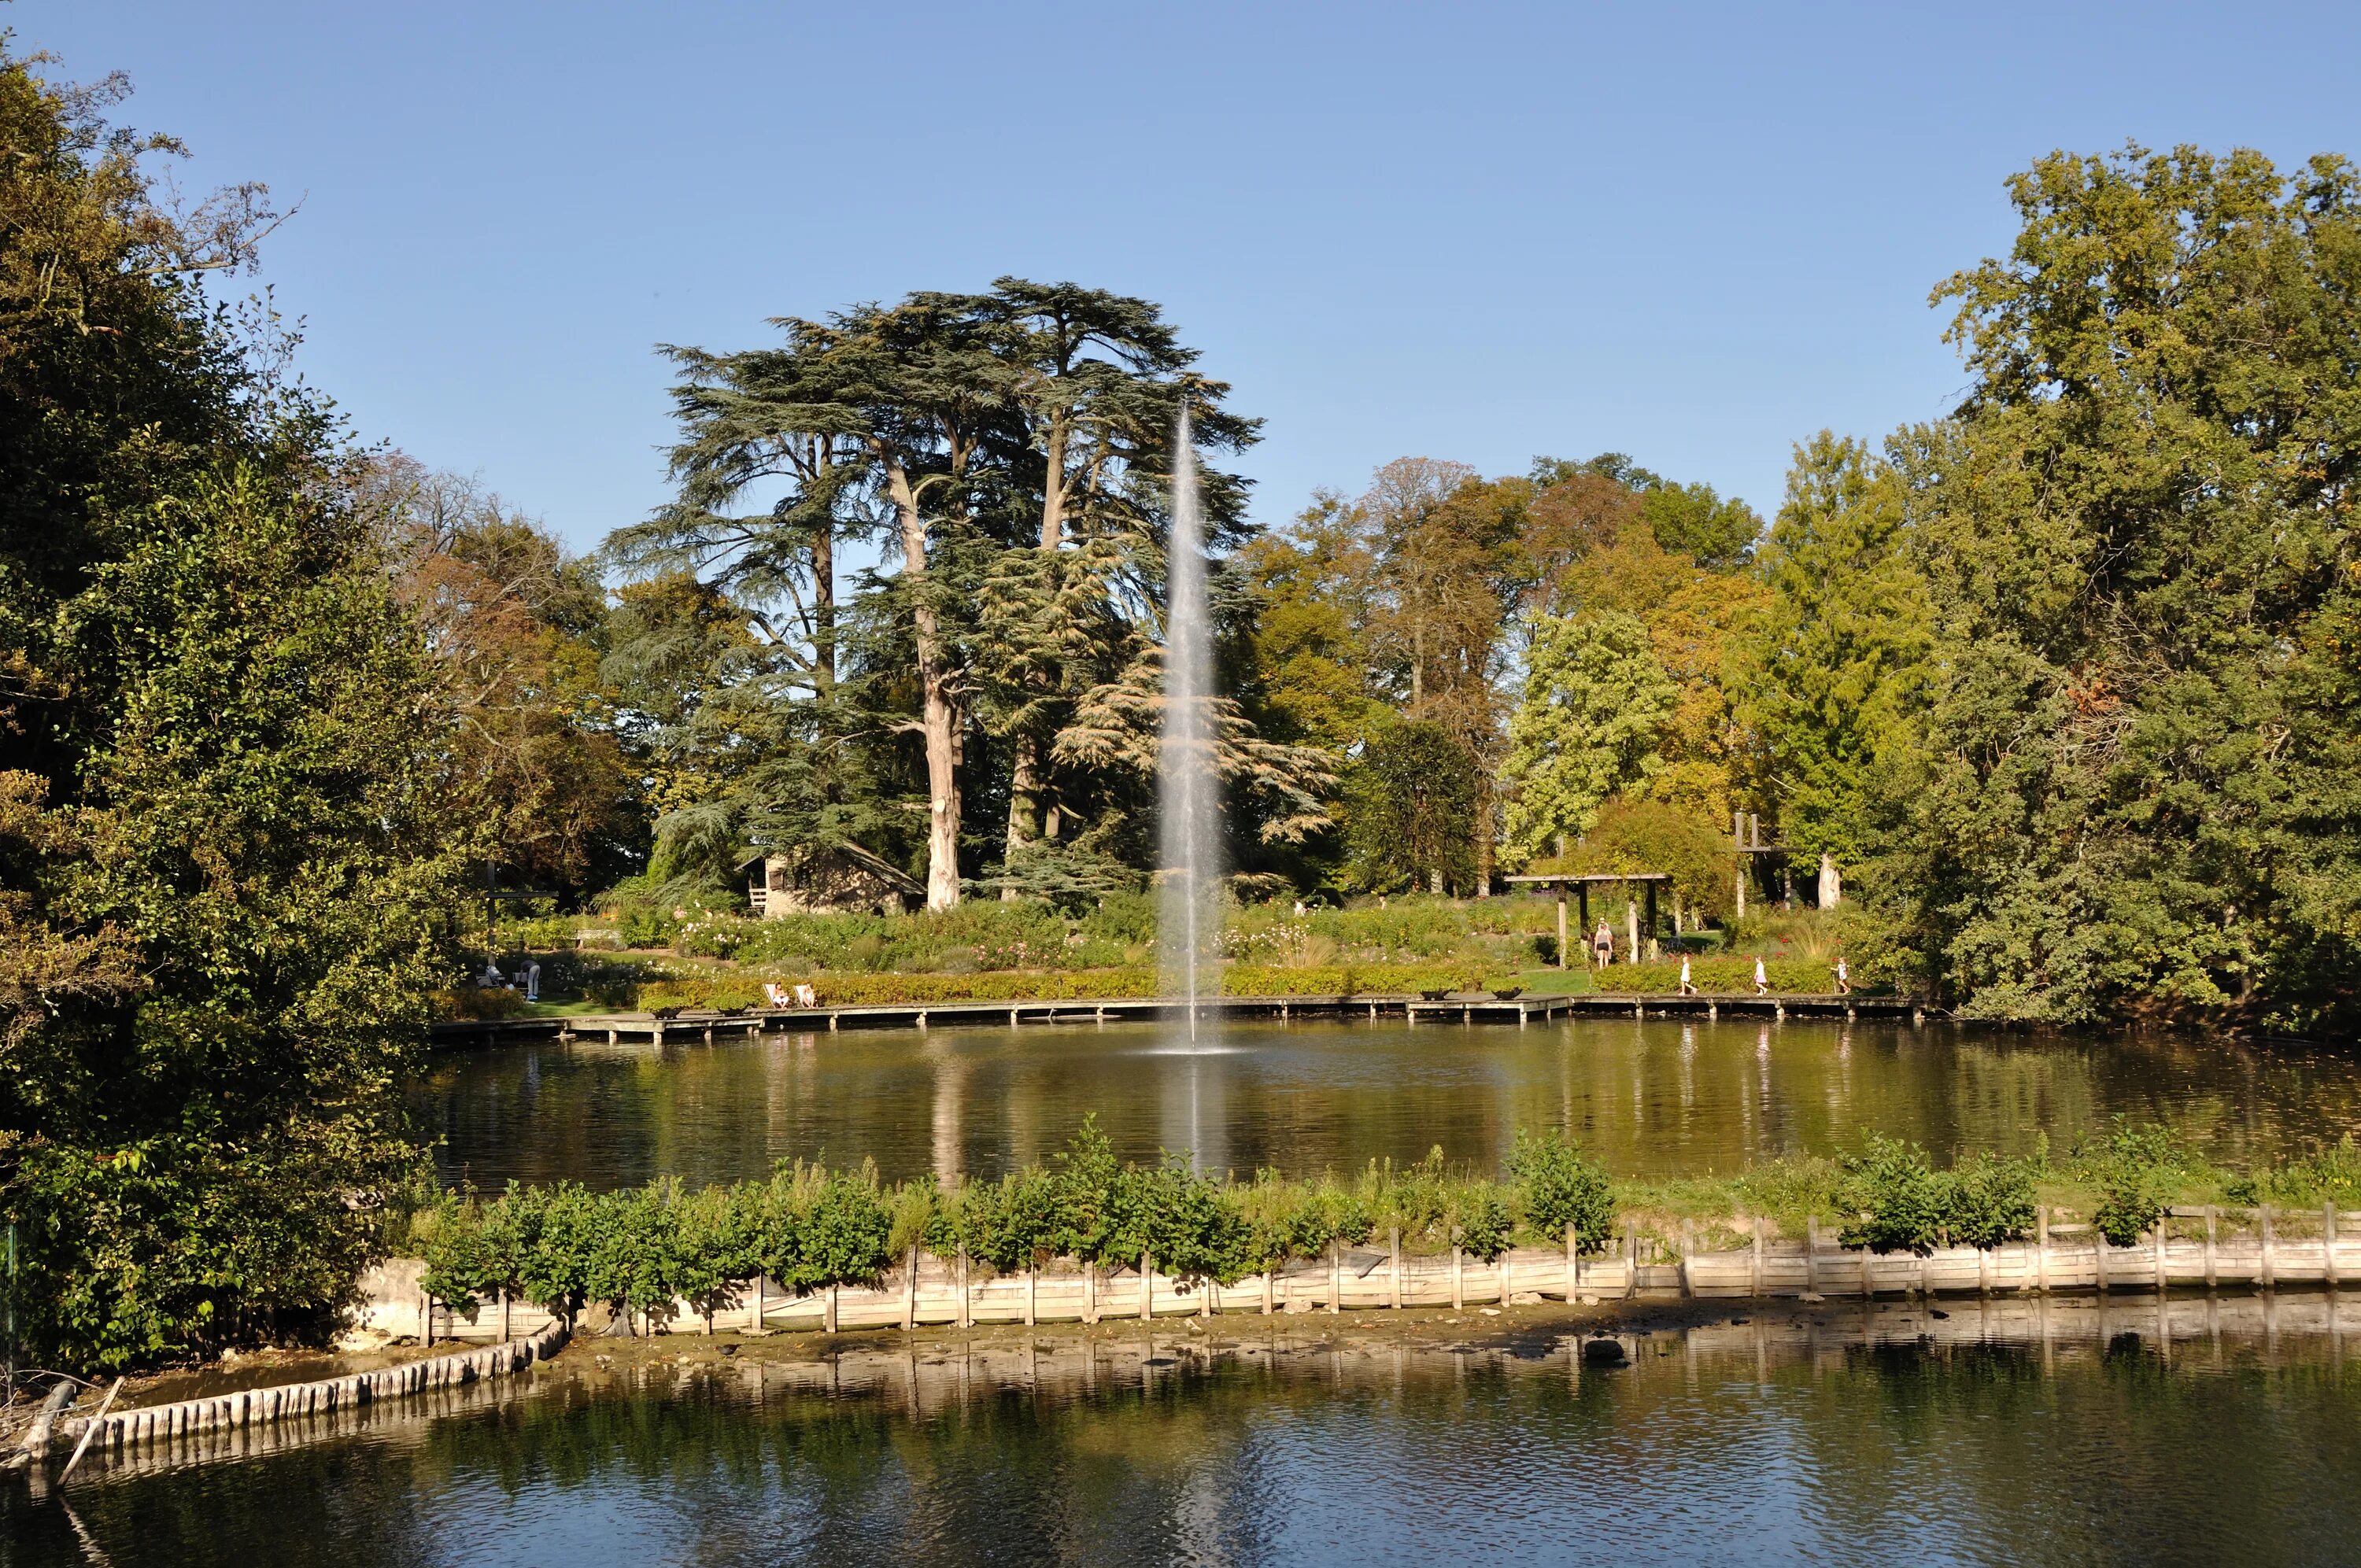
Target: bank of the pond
(652, 983)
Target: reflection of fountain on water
(1188, 905)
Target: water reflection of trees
(1654, 1098)
(1808, 1442)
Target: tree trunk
(938, 715)
(1024, 768)
(1483, 834)
(1054, 488)
(824, 608)
(1023, 787)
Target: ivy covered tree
(1408, 798)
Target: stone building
(828, 880)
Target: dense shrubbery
(2137, 1169)
(1901, 1203)
(808, 1227)
(2331, 1176)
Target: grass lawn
(1556, 981)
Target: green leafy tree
(1559, 1190)
(1654, 836)
(1596, 705)
(1696, 522)
(2136, 538)
(1833, 680)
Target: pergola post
(1561, 926)
(1651, 910)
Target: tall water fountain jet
(1188, 901)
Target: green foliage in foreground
(1902, 1204)
(808, 1227)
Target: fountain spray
(1188, 906)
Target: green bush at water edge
(808, 1227)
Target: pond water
(1659, 1097)
(1731, 1444)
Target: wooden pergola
(1581, 885)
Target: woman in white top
(1762, 977)
(1844, 976)
(1687, 987)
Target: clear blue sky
(1695, 234)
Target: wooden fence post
(1147, 1286)
(1458, 1296)
(2211, 1213)
(1632, 1257)
(1335, 1276)
(910, 1292)
(966, 1295)
(1032, 1289)
(1754, 1274)
(1688, 1245)
(2163, 1220)
(1573, 1264)
(1812, 1254)
(2041, 1247)
(1090, 1290)
(2098, 1253)
(2269, 1270)
(1393, 1253)
(828, 1312)
(2328, 1243)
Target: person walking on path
(1762, 977)
(1689, 987)
(1602, 943)
(1844, 976)
(533, 980)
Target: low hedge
(809, 1227)
(865, 990)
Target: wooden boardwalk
(1458, 1008)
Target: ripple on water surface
(1790, 1440)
